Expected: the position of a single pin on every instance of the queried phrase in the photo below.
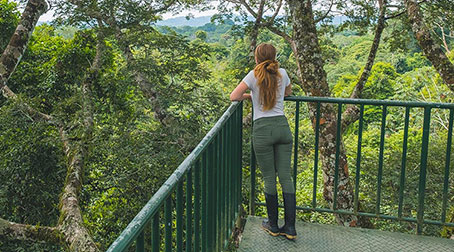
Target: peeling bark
(18, 43)
(313, 79)
(15, 231)
(431, 49)
(351, 113)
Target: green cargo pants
(272, 142)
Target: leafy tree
(9, 17)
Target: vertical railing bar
(189, 231)
(231, 175)
(156, 234)
(197, 206)
(219, 192)
(447, 164)
(253, 168)
(179, 216)
(229, 178)
(240, 153)
(168, 224)
(140, 242)
(210, 200)
(238, 161)
(295, 144)
(216, 191)
(222, 184)
(358, 157)
(317, 134)
(204, 201)
(336, 165)
(234, 166)
(423, 169)
(225, 184)
(380, 159)
(404, 163)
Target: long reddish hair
(267, 73)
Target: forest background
(105, 104)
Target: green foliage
(9, 18)
(33, 163)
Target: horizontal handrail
(369, 102)
(138, 224)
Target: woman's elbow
(234, 97)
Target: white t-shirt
(278, 109)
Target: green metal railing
(424, 148)
(210, 179)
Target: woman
(271, 134)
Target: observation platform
(332, 238)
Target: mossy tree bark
(430, 48)
(314, 83)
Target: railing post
(168, 223)
(358, 158)
(140, 244)
(423, 169)
(179, 216)
(252, 168)
(204, 202)
(156, 234)
(404, 163)
(189, 231)
(240, 146)
(295, 144)
(317, 134)
(447, 164)
(380, 159)
(336, 166)
(197, 206)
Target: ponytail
(267, 74)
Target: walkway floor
(319, 238)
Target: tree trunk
(18, 43)
(71, 222)
(431, 49)
(255, 32)
(313, 79)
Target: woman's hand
(238, 94)
(288, 90)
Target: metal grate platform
(319, 237)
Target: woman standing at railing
(271, 135)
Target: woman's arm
(288, 90)
(238, 94)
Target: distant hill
(200, 21)
(182, 21)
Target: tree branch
(15, 231)
(351, 113)
(326, 14)
(163, 8)
(18, 43)
(431, 50)
(278, 8)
